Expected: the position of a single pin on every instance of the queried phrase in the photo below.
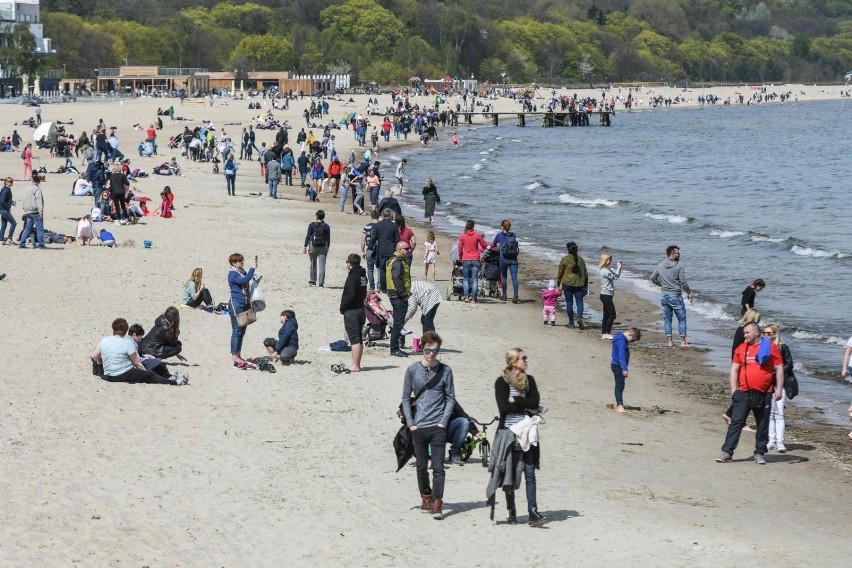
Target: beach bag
(246, 318)
(319, 237)
(791, 386)
(24, 154)
(510, 246)
(258, 302)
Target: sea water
(746, 191)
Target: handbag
(791, 386)
(246, 318)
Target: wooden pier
(548, 119)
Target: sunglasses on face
(429, 351)
(524, 358)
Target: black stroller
(489, 273)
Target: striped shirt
(423, 294)
(512, 419)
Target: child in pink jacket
(550, 296)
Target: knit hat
(551, 285)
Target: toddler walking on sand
(430, 250)
(550, 296)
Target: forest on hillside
(513, 41)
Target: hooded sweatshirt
(671, 276)
(470, 244)
(354, 290)
(288, 335)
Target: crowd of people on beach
(762, 378)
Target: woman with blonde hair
(194, 292)
(517, 397)
(608, 278)
(776, 415)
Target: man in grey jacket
(273, 176)
(33, 215)
(670, 275)
(428, 398)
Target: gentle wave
(767, 239)
(677, 219)
(818, 253)
(574, 200)
(815, 336)
(722, 234)
(478, 167)
(533, 185)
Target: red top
(405, 235)
(752, 375)
(471, 244)
(151, 133)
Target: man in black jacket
(383, 241)
(352, 308)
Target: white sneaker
(122, 222)
(781, 448)
(180, 380)
(404, 331)
(772, 446)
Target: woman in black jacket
(517, 397)
(430, 198)
(162, 340)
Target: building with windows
(13, 13)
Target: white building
(23, 12)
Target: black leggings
(608, 314)
(118, 201)
(135, 375)
(205, 298)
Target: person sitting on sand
(107, 238)
(162, 340)
(174, 168)
(82, 187)
(121, 362)
(194, 292)
(286, 347)
(136, 333)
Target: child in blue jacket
(621, 360)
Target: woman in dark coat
(430, 196)
(517, 397)
(162, 340)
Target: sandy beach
(244, 468)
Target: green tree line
(517, 41)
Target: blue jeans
(673, 303)
(34, 225)
(230, 180)
(529, 475)
(573, 294)
(618, 375)
(470, 278)
(370, 259)
(456, 434)
(303, 175)
(273, 187)
(344, 192)
(237, 332)
(427, 320)
(7, 217)
(510, 267)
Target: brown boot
(437, 514)
(426, 503)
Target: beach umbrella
(353, 115)
(343, 121)
(44, 129)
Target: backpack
(319, 237)
(510, 246)
(24, 154)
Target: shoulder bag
(429, 384)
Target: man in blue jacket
(621, 360)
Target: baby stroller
(378, 318)
(489, 273)
(456, 287)
(375, 329)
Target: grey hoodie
(671, 276)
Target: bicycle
(484, 446)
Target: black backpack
(510, 246)
(319, 238)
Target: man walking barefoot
(670, 275)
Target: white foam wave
(478, 167)
(677, 219)
(515, 140)
(710, 310)
(765, 239)
(574, 200)
(533, 185)
(837, 340)
(465, 177)
(484, 152)
(818, 253)
(814, 336)
(726, 234)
